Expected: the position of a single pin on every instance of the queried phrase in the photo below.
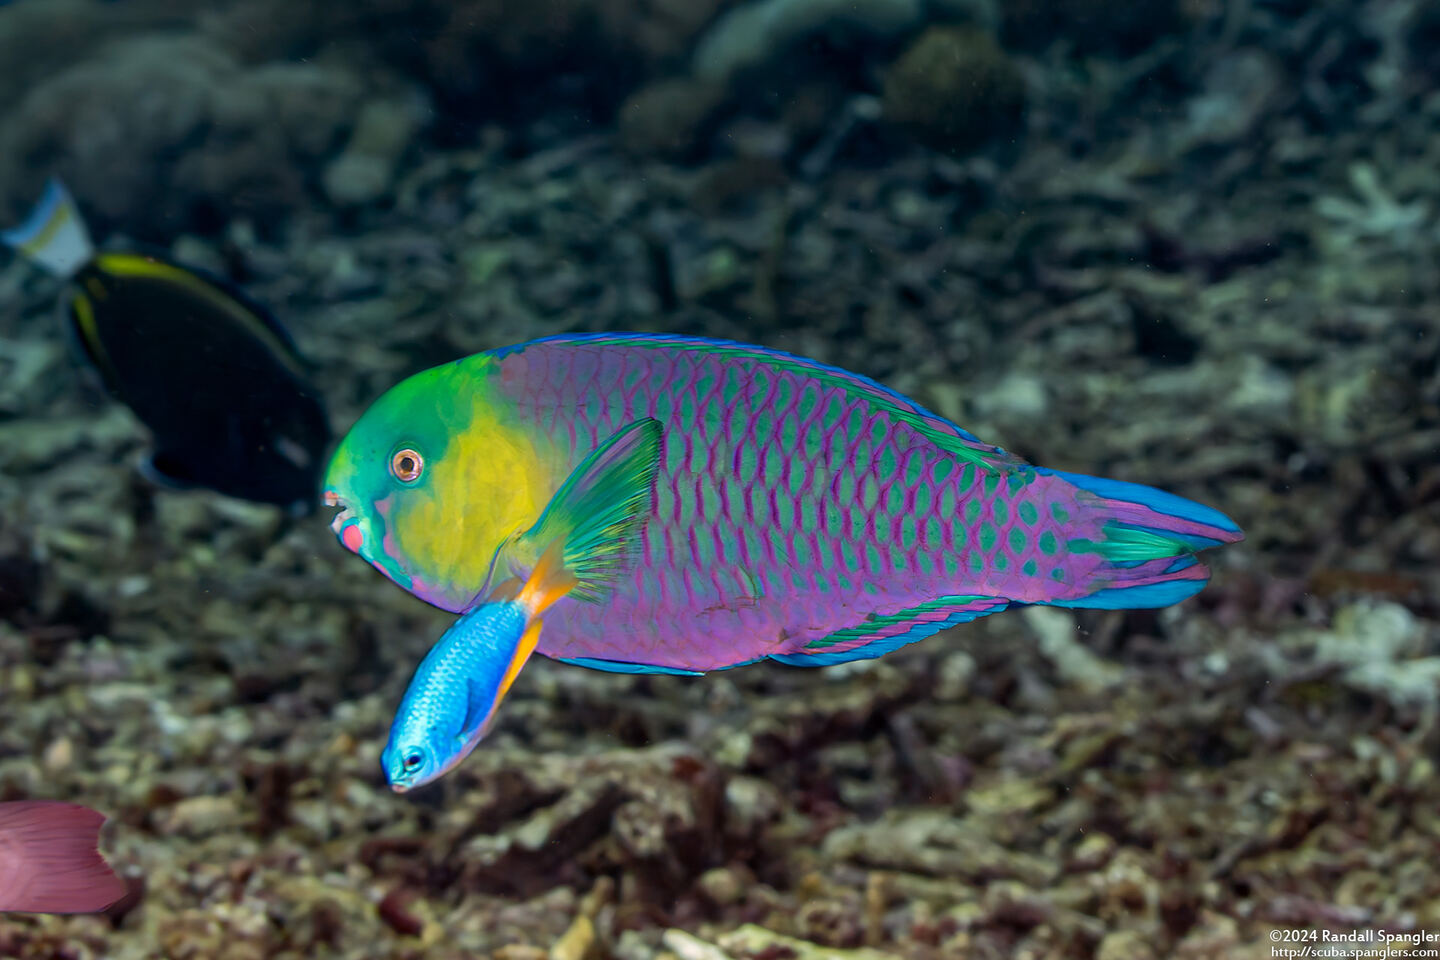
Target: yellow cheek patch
(490, 483)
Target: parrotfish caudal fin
(54, 235)
(1150, 540)
(49, 861)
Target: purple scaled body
(811, 515)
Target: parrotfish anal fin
(621, 666)
(881, 634)
(599, 511)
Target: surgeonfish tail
(1150, 539)
(49, 861)
(54, 235)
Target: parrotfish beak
(345, 524)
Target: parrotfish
(49, 860)
(212, 374)
(800, 513)
(589, 535)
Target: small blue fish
(591, 529)
(452, 698)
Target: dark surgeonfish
(211, 373)
(49, 860)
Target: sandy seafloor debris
(1219, 280)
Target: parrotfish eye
(406, 465)
(413, 760)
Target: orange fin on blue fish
(528, 641)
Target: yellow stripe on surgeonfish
(88, 335)
(124, 265)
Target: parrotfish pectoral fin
(1150, 540)
(599, 511)
(53, 236)
(49, 861)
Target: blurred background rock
(1186, 243)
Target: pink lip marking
(352, 538)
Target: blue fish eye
(413, 759)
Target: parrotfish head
(432, 479)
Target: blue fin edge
(619, 666)
(1157, 500)
(1142, 597)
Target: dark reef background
(1190, 243)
